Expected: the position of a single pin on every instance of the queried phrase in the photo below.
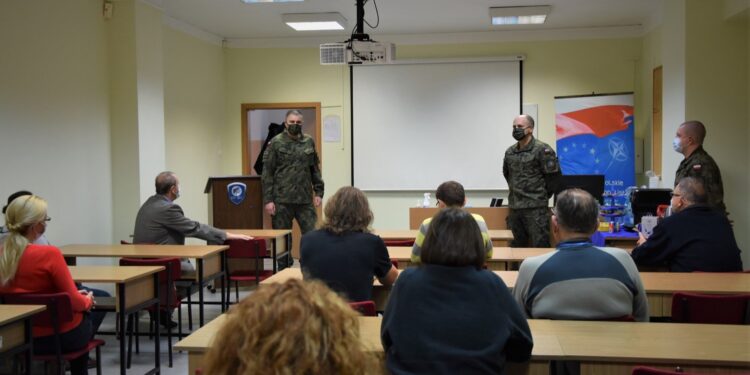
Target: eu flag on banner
(595, 135)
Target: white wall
(54, 114)
(193, 115)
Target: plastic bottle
(426, 201)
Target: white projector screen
(418, 124)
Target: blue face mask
(677, 144)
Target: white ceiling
(234, 20)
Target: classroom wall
(650, 59)
(54, 114)
(717, 95)
(194, 115)
(552, 68)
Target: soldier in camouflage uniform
(291, 173)
(698, 163)
(533, 174)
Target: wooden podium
(247, 214)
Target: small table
(502, 257)
(210, 259)
(135, 290)
(622, 239)
(15, 331)
(498, 236)
(281, 240)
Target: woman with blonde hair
(343, 253)
(295, 327)
(26, 267)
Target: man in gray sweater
(579, 281)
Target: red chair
(59, 310)
(399, 242)
(643, 370)
(168, 299)
(710, 308)
(366, 308)
(394, 262)
(254, 249)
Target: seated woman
(295, 327)
(26, 267)
(449, 316)
(343, 253)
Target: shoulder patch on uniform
(697, 167)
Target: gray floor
(144, 361)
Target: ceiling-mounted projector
(357, 52)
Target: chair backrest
(394, 262)
(246, 248)
(643, 370)
(366, 308)
(399, 242)
(171, 273)
(59, 308)
(710, 308)
(624, 318)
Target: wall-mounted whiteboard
(418, 124)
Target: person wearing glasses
(42, 240)
(533, 174)
(696, 237)
(27, 267)
(291, 180)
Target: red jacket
(42, 269)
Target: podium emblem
(236, 191)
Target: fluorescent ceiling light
(270, 1)
(519, 15)
(314, 21)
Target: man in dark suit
(161, 221)
(697, 237)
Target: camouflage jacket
(291, 170)
(700, 164)
(532, 173)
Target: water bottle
(426, 200)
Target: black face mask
(518, 134)
(294, 129)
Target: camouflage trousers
(304, 214)
(530, 227)
(306, 218)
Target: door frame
(246, 107)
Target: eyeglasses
(675, 195)
(294, 122)
(47, 218)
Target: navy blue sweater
(697, 238)
(452, 320)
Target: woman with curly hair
(295, 327)
(343, 253)
(450, 316)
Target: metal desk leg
(27, 332)
(157, 349)
(200, 291)
(225, 279)
(121, 318)
(274, 254)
